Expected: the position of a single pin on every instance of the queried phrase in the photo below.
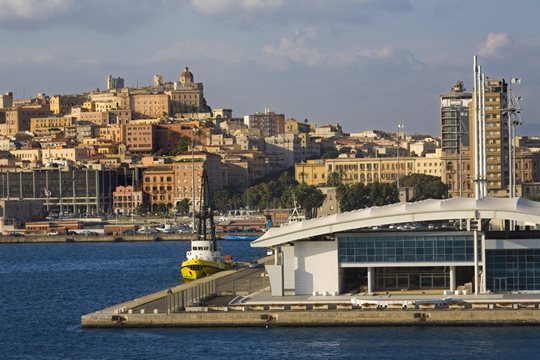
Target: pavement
(243, 282)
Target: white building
(351, 252)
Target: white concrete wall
(317, 267)
(289, 265)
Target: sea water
(45, 288)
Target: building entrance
(412, 278)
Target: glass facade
(406, 247)
(513, 270)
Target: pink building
(126, 200)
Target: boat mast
(206, 213)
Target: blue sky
(363, 63)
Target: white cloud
(213, 7)
(298, 49)
(311, 11)
(32, 9)
(98, 15)
(295, 49)
(494, 43)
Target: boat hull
(196, 268)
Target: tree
(360, 196)
(352, 197)
(182, 206)
(425, 186)
(143, 208)
(269, 194)
(162, 208)
(330, 154)
(307, 196)
(333, 179)
(221, 199)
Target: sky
(366, 64)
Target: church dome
(186, 78)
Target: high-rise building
(496, 134)
(455, 119)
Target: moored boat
(204, 258)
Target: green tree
(162, 208)
(330, 154)
(333, 179)
(360, 196)
(222, 199)
(307, 196)
(143, 208)
(182, 206)
(352, 197)
(269, 194)
(425, 186)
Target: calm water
(44, 289)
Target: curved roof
(518, 209)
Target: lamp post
(400, 127)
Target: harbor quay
(236, 298)
(358, 268)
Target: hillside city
(131, 151)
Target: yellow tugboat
(204, 257)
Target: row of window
(405, 248)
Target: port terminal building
(491, 245)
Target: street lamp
(400, 127)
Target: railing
(179, 300)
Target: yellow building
(365, 170)
(62, 104)
(114, 133)
(149, 105)
(48, 123)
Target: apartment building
(48, 123)
(153, 106)
(269, 123)
(455, 118)
(127, 199)
(62, 104)
(18, 119)
(140, 138)
(496, 100)
(365, 170)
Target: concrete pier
(242, 298)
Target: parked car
(16, 234)
(53, 233)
